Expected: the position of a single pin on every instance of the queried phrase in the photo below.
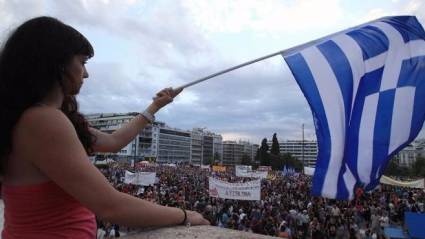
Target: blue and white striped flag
(366, 89)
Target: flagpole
(229, 69)
(302, 145)
(285, 52)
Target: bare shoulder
(42, 120)
(42, 129)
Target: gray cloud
(13, 13)
(250, 103)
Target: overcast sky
(144, 46)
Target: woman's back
(44, 211)
(20, 170)
(35, 205)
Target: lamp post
(302, 147)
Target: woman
(50, 188)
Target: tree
(276, 162)
(275, 146)
(246, 160)
(394, 169)
(209, 160)
(264, 155)
(290, 161)
(217, 158)
(257, 156)
(418, 168)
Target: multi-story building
(305, 151)
(205, 145)
(160, 142)
(173, 145)
(207, 148)
(218, 148)
(196, 146)
(233, 151)
(408, 156)
(110, 122)
(249, 149)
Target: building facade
(205, 146)
(161, 143)
(110, 122)
(173, 145)
(233, 151)
(305, 151)
(408, 155)
(218, 148)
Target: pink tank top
(44, 211)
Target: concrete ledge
(195, 232)
(181, 232)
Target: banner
(254, 174)
(140, 178)
(309, 171)
(384, 180)
(410, 184)
(207, 167)
(238, 191)
(271, 176)
(140, 191)
(217, 168)
(171, 165)
(264, 168)
(241, 169)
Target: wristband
(185, 217)
(148, 116)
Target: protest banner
(140, 178)
(238, 191)
(217, 168)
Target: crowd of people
(286, 208)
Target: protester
(286, 208)
(50, 188)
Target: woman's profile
(49, 187)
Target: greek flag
(366, 89)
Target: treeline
(416, 170)
(273, 157)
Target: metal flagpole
(286, 52)
(228, 69)
(302, 145)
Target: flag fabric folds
(366, 89)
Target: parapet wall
(195, 232)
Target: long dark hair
(32, 62)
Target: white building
(110, 122)
(304, 151)
(161, 142)
(408, 156)
(173, 145)
(218, 148)
(233, 151)
(205, 145)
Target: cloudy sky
(144, 46)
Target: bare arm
(118, 139)
(52, 145)
(121, 137)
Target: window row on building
(164, 144)
(305, 151)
